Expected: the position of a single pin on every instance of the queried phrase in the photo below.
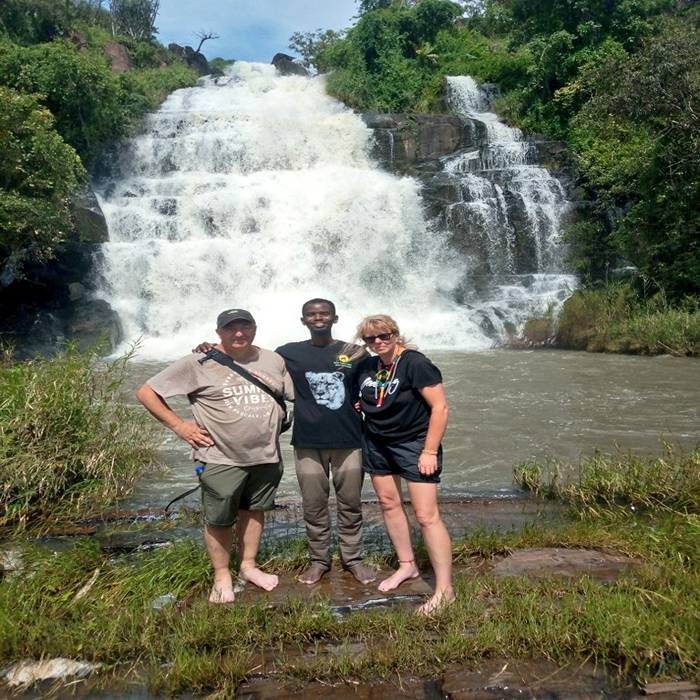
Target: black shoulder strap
(223, 359)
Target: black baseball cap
(233, 315)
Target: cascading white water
(512, 209)
(256, 191)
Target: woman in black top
(405, 409)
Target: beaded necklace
(384, 376)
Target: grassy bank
(615, 319)
(632, 626)
(67, 444)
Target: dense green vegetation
(85, 603)
(615, 319)
(619, 82)
(61, 104)
(68, 444)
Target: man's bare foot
(313, 574)
(222, 590)
(437, 603)
(259, 578)
(407, 570)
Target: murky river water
(507, 406)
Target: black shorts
(401, 458)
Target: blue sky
(249, 30)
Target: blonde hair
(383, 323)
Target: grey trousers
(313, 471)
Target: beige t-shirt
(242, 419)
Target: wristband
(429, 452)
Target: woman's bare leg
(437, 542)
(388, 490)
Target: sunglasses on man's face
(369, 339)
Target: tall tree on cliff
(134, 18)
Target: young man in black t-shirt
(327, 438)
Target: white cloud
(250, 30)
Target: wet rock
(92, 321)
(403, 142)
(76, 291)
(27, 672)
(286, 65)
(118, 56)
(514, 678)
(88, 219)
(557, 561)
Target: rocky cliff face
(56, 307)
(194, 59)
(467, 194)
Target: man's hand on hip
(193, 434)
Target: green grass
(632, 627)
(602, 483)
(68, 446)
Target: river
(509, 405)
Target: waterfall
(510, 215)
(255, 190)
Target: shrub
(67, 443)
(92, 105)
(615, 319)
(78, 87)
(39, 172)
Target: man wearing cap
(235, 442)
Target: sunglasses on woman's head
(369, 339)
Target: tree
(310, 45)
(38, 174)
(204, 36)
(638, 139)
(366, 6)
(134, 18)
(84, 95)
(34, 21)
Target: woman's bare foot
(259, 578)
(407, 570)
(437, 603)
(222, 590)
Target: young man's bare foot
(259, 578)
(313, 574)
(362, 573)
(407, 570)
(437, 603)
(222, 590)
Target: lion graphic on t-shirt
(327, 388)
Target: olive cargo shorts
(227, 489)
